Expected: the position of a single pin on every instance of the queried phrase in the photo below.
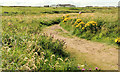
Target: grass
(63, 34)
(80, 59)
(59, 30)
(108, 27)
(66, 35)
(25, 47)
(13, 11)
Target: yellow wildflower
(66, 19)
(79, 20)
(83, 27)
(87, 24)
(91, 23)
(67, 15)
(117, 40)
(82, 22)
(77, 25)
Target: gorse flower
(82, 22)
(67, 15)
(66, 19)
(117, 41)
(87, 24)
(77, 26)
(78, 23)
(79, 20)
(83, 28)
(93, 23)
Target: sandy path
(104, 56)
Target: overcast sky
(49, 2)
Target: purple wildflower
(79, 12)
(96, 68)
(90, 69)
(83, 69)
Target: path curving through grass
(93, 53)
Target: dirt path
(101, 55)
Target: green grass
(25, 47)
(66, 35)
(63, 34)
(59, 30)
(107, 23)
(13, 11)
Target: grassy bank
(106, 30)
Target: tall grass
(24, 47)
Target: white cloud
(44, 2)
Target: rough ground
(98, 54)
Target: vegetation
(98, 27)
(25, 47)
(8, 11)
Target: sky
(78, 3)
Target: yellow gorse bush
(81, 24)
(93, 23)
(66, 19)
(83, 28)
(77, 21)
(117, 40)
(66, 16)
